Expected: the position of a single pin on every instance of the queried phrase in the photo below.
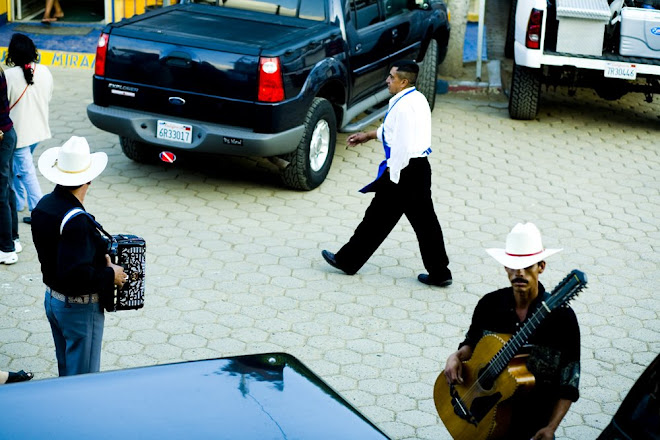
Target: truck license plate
(621, 70)
(172, 131)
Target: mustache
(519, 280)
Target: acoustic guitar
(479, 408)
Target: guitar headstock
(567, 289)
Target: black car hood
(266, 396)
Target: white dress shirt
(407, 130)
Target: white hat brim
(519, 262)
(47, 168)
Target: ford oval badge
(655, 30)
(176, 100)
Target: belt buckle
(76, 299)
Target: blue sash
(383, 165)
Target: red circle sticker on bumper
(167, 156)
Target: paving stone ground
(234, 262)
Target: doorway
(75, 11)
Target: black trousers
(412, 197)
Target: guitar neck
(520, 338)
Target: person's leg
(59, 13)
(416, 178)
(17, 179)
(98, 321)
(47, 18)
(379, 219)
(7, 197)
(48, 8)
(52, 307)
(82, 327)
(26, 175)
(14, 216)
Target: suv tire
(525, 93)
(310, 163)
(427, 81)
(137, 151)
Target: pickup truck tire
(310, 163)
(137, 151)
(525, 93)
(427, 81)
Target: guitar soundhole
(482, 405)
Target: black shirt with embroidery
(72, 263)
(554, 355)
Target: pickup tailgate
(195, 61)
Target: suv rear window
(307, 9)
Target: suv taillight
(101, 50)
(534, 28)
(271, 88)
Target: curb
(494, 83)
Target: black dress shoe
(329, 257)
(20, 376)
(27, 220)
(428, 279)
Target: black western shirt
(72, 263)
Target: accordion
(127, 251)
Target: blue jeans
(8, 215)
(26, 184)
(77, 332)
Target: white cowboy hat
(523, 247)
(72, 164)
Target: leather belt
(81, 299)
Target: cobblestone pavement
(234, 262)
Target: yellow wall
(60, 58)
(122, 8)
(129, 8)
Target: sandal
(20, 376)
(48, 20)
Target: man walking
(403, 185)
(76, 269)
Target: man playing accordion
(76, 268)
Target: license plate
(172, 131)
(621, 70)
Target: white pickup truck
(613, 48)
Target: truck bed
(210, 27)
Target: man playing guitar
(554, 348)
